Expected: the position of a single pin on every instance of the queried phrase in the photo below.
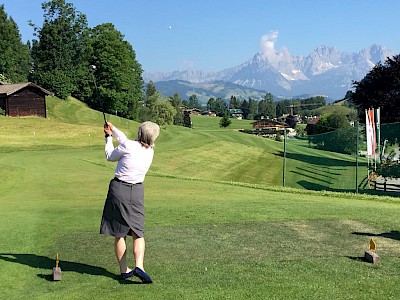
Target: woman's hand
(109, 124)
(108, 128)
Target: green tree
(225, 121)
(61, 51)
(118, 74)
(270, 109)
(193, 102)
(380, 88)
(334, 133)
(283, 107)
(151, 94)
(253, 109)
(162, 113)
(218, 106)
(245, 109)
(211, 104)
(14, 55)
(176, 102)
(234, 102)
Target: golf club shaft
(105, 119)
(93, 67)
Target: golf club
(93, 69)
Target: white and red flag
(371, 131)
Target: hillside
(205, 184)
(204, 152)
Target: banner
(371, 131)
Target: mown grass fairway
(218, 224)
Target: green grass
(218, 224)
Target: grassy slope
(206, 239)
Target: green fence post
(357, 153)
(284, 157)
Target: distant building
(209, 113)
(193, 111)
(312, 122)
(23, 99)
(236, 113)
(268, 124)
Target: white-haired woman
(123, 212)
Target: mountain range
(326, 71)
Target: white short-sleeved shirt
(134, 160)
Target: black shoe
(143, 276)
(126, 275)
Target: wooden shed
(23, 99)
(268, 124)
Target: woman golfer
(123, 212)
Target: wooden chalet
(23, 99)
(312, 122)
(268, 124)
(236, 113)
(209, 113)
(193, 111)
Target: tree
(267, 107)
(176, 102)
(14, 55)
(334, 133)
(283, 107)
(225, 121)
(329, 122)
(380, 88)
(162, 113)
(118, 74)
(218, 105)
(253, 109)
(151, 91)
(62, 50)
(234, 103)
(270, 109)
(193, 102)
(245, 109)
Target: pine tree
(14, 55)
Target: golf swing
(93, 69)
(123, 212)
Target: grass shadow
(357, 258)
(318, 187)
(46, 263)
(309, 176)
(394, 234)
(319, 160)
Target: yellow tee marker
(372, 246)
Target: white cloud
(267, 45)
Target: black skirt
(123, 211)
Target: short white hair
(148, 133)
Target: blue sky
(212, 35)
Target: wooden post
(372, 257)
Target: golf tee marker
(57, 270)
(370, 255)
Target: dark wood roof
(9, 89)
(267, 121)
(314, 121)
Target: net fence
(338, 161)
